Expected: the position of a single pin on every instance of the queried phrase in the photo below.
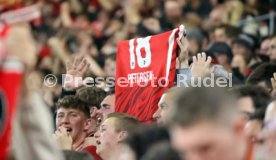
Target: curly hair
(72, 101)
(92, 96)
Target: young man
(113, 131)
(72, 122)
(205, 124)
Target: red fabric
(3, 34)
(92, 151)
(247, 72)
(250, 151)
(4, 31)
(11, 6)
(95, 3)
(141, 102)
(45, 51)
(9, 91)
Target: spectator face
(107, 138)
(172, 9)
(216, 16)
(161, 115)
(220, 35)
(194, 46)
(207, 141)
(239, 49)
(272, 49)
(73, 120)
(222, 59)
(107, 105)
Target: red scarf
(10, 84)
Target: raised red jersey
(145, 68)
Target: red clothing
(10, 83)
(151, 60)
(92, 151)
(250, 151)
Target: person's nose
(157, 114)
(97, 134)
(65, 120)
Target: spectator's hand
(20, 44)
(65, 14)
(273, 82)
(75, 72)
(183, 56)
(65, 7)
(63, 138)
(201, 65)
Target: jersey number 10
(142, 43)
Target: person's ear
(87, 124)
(93, 111)
(122, 136)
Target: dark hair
(111, 91)
(259, 97)
(264, 72)
(230, 31)
(124, 122)
(220, 48)
(92, 96)
(144, 137)
(258, 115)
(196, 104)
(72, 101)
